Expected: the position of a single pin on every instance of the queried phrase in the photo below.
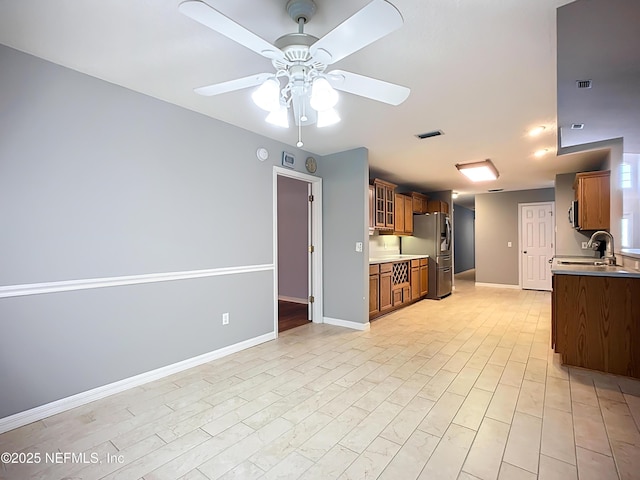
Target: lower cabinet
(394, 284)
(374, 289)
(595, 321)
(385, 302)
(424, 276)
(415, 279)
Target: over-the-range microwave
(573, 214)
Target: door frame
(553, 234)
(315, 224)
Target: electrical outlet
(358, 246)
(225, 318)
(584, 245)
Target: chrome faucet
(601, 235)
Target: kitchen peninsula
(595, 317)
(396, 281)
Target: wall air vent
(577, 126)
(495, 190)
(434, 133)
(583, 83)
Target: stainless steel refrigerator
(432, 236)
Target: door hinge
(311, 249)
(311, 299)
(311, 198)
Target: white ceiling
(482, 71)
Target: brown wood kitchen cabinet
(420, 203)
(437, 206)
(415, 279)
(384, 193)
(396, 285)
(424, 276)
(374, 289)
(403, 216)
(592, 191)
(385, 302)
(595, 322)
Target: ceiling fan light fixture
(479, 171)
(323, 95)
(267, 95)
(327, 118)
(279, 117)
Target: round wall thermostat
(311, 165)
(262, 154)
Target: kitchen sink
(586, 261)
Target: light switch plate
(509, 244)
(358, 246)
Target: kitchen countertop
(394, 258)
(591, 270)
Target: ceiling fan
(300, 61)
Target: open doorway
(296, 249)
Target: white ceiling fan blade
(368, 87)
(377, 19)
(232, 85)
(210, 17)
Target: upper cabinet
(384, 203)
(404, 215)
(437, 206)
(592, 194)
(420, 203)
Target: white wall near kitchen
(383, 245)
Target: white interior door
(537, 240)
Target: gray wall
(464, 244)
(496, 225)
(99, 181)
(293, 242)
(345, 214)
(568, 239)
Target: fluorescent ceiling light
(479, 171)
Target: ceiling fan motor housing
(301, 10)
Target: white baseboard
(38, 413)
(497, 285)
(347, 324)
(284, 298)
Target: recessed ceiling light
(542, 152)
(479, 171)
(455, 195)
(536, 131)
(495, 190)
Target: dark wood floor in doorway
(291, 315)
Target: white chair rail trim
(83, 284)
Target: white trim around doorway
(316, 228)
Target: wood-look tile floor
(462, 388)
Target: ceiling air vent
(583, 83)
(577, 126)
(495, 190)
(435, 133)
